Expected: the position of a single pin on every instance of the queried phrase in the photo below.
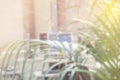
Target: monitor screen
(55, 37)
(64, 37)
(59, 37)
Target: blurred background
(23, 19)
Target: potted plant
(106, 49)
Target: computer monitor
(55, 37)
(64, 37)
(44, 37)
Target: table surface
(11, 72)
(48, 60)
(39, 74)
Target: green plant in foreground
(105, 27)
(107, 47)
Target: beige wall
(76, 9)
(11, 27)
(11, 17)
(42, 16)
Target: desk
(38, 75)
(12, 74)
(48, 60)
